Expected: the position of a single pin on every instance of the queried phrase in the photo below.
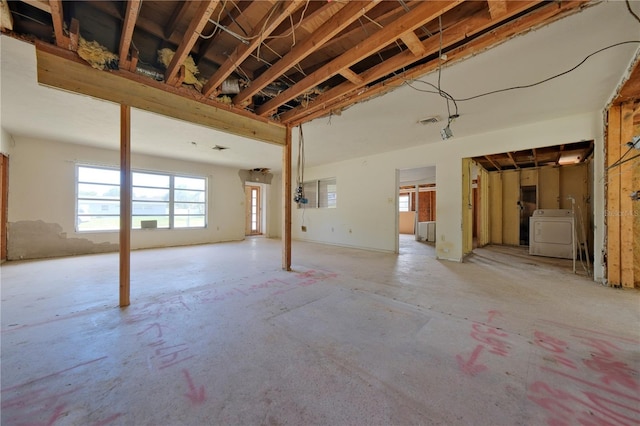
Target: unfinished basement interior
(272, 212)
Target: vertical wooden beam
(417, 217)
(57, 16)
(74, 35)
(467, 208)
(626, 203)
(286, 202)
(125, 204)
(613, 197)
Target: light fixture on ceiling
(446, 133)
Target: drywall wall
(366, 209)
(42, 201)
(6, 142)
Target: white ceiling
(383, 124)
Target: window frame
(314, 188)
(171, 202)
(408, 203)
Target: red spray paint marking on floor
(490, 338)
(469, 366)
(196, 395)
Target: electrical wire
(631, 11)
(526, 86)
(618, 162)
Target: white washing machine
(551, 233)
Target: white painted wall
(6, 142)
(366, 212)
(42, 187)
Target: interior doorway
(416, 213)
(254, 209)
(528, 203)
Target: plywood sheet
(549, 188)
(495, 207)
(510, 208)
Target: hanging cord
(299, 197)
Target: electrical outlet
(304, 228)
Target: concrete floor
(218, 334)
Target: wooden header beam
(64, 70)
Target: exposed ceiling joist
(346, 94)
(535, 157)
(494, 164)
(299, 63)
(39, 4)
(414, 44)
(191, 35)
(423, 13)
(58, 23)
(497, 8)
(515, 164)
(128, 26)
(177, 15)
(325, 32)
(281, 11)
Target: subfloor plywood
(348, 337)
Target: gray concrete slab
(218, 334)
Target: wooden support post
(125, 204)
(626, 203)
(416, 221)
(286, 202)
(613, 197)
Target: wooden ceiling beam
(414, 44)
(494, 164)
(63, 69)
(197, 24)
(535, 157)
(513, 160)
(497, 8)
(559, 154)
(57, 15)
(271, 21)
(347, 94)
(74, 34)
(452, 35)
(176, 16)
(351, 76)
(128, 26)
(342, 19)
(421, 14)
(39, 4)
(226, 21)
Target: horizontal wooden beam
(424, 12)
(40, 4)
(63, 69)
(348, 94)
(191, 35)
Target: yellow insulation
(96, 55)
(166, 55)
